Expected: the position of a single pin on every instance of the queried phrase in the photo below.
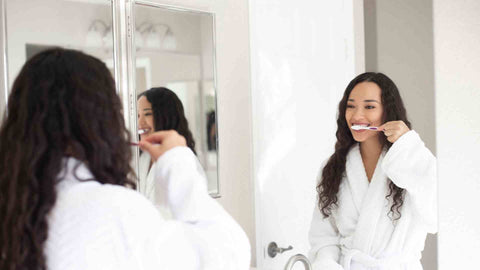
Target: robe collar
(369, 198)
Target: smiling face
(364, 108)
(145, 117)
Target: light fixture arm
(96, 23)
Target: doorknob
(273, 249)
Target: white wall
(399, 43)
(457, 82)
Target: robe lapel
(370, 197)
(357, 177)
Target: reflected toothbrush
(357, 127)
(137, 144)
(140, 132)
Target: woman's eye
(148, 114)
(350, 106)
(369, 107)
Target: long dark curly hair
(63, 103)
(334, 170)
(168, 113)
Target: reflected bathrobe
(151, 189)
(360, 234)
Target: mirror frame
(131, 64)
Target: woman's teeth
(143, 131)
(359, 127)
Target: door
(302, 61)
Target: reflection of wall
(234, 107)
(171, 67)
(185, 27)
(2, 82)
(457, 81)
(399, 43)
(49, 22)
(207, 53)
(3, 91)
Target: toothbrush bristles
(358, 127)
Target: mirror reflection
(175, 85)
(379, 188)
(89, 31)
(306, 79)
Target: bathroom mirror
(174, 49)
(302, 61)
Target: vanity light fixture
(155, 36)
(99, 34)
(148, 35)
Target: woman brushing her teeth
(158, 109)
(377, 192)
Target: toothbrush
(357, 127)
(140, 132)
(137, 144)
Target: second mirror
(175, 84)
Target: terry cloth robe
(101, 226)
(148, 187)
(360, 234)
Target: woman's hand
(160, 142)
(394, 130)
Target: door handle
(273, 249)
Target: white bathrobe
(359, 234)
(148, 187)
(94, 226)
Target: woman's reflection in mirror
(159, 108)
(377, 192)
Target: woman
(159, 109)
(377, 192)
(64, 173)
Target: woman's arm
(206, 229)
(411, 166)
(202, 235)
